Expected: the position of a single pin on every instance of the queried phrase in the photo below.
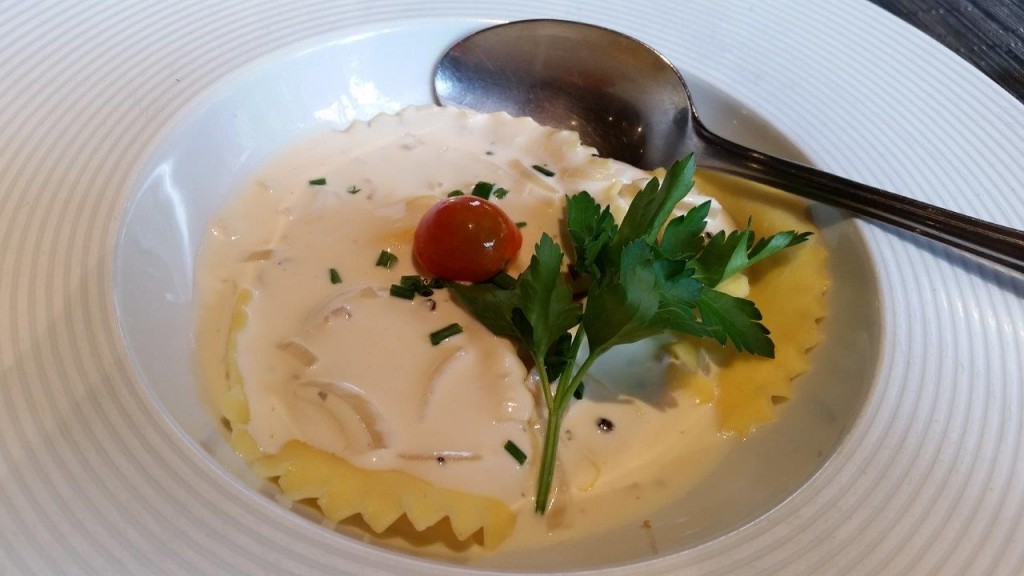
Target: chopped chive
(437, 283)
(404, 292)
(411, 281)
(318, 182)
(515, 451)
(578, 392)
(504, 281)
(543, 170)
(386, 259)
(354, 189)
(416, 284)
(335, 277)
(483, 190)
(520, 224)
(455, 193)
(500, 193)
(445, 333)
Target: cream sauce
(350, 370)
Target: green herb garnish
(520, 224)
(578, 392)
(335, 276)
(504, 280)
(318, 182)
(640, 286)
(543, 170)
(445, 333)
(482, 190)
(419, 286)
(386, 259)
(353, 189)
(500, 193)
(516, 452)
(404, 292)
(455, 193)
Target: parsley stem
(566, 386)
(545, 383)
(574, 350)
(547, 463)
(564, 393)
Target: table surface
(987, 33)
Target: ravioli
(790, 293)
(342, 490)
(331, 388)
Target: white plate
(96, 479)
(331, 82)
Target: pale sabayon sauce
(349, 369)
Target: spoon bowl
(618, 102)
(630, 103)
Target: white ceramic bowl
(213, 147)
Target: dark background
(987, 33)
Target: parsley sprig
(640, 285)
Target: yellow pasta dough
(789, 290)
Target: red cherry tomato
(465, 238)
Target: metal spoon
(631, 104)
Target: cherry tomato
(465, 238)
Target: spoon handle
(993, 242)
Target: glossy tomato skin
(466, 239)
